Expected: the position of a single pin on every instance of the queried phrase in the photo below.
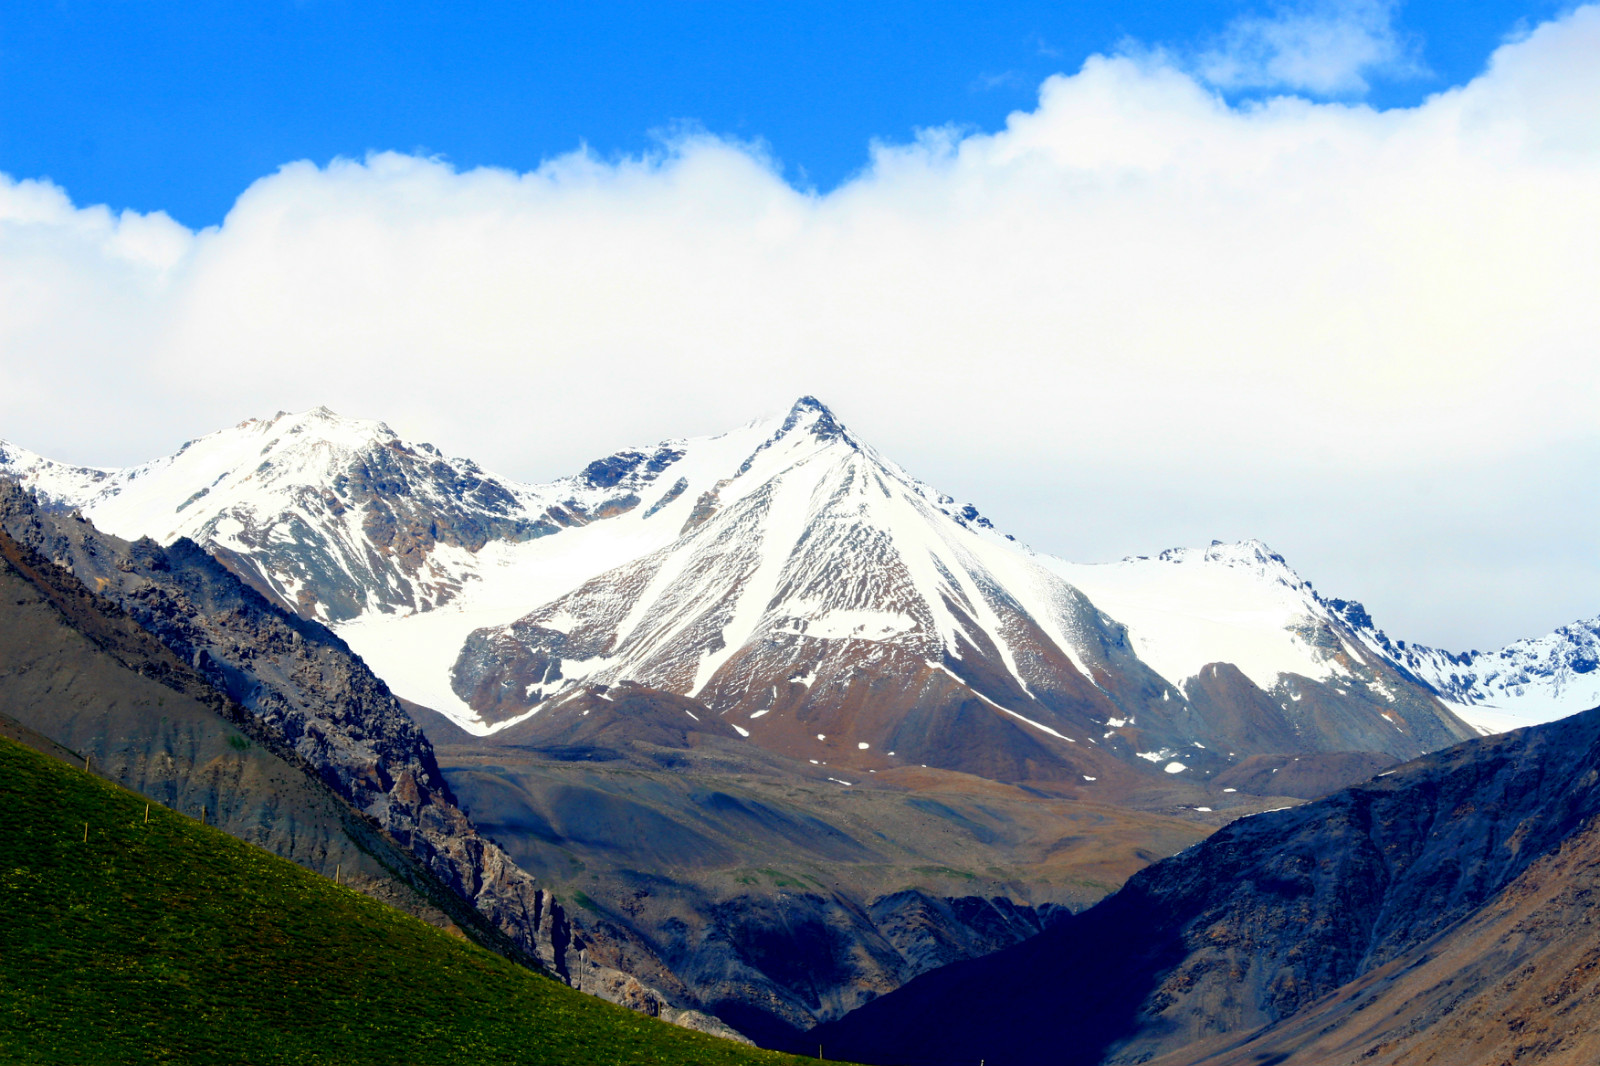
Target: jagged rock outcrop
(83, 682)
(302, 684)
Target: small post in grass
(86, 832)
(147, 813)
(202, 814)
(86, 764)
(338, 870)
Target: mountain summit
(800, 585)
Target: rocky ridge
(303, 686)
(333, 516)
(1217, 950)
(1527, 681)
(84, 683)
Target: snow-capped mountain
(793, 580)
(1537, 679)
(337, 517)
(830, 606)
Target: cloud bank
(1133, 317)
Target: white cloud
(1326, 47)
(1136, 316)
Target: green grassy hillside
(168, 941)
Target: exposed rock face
(333, 516)
(302, 685)
(82, 682)
(1274, 913)
(1516, 983)
(821, 590)
(785, 572)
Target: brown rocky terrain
(1438, 913)
(785, 892)
(1517, 983)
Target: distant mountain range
(788, 575)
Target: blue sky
(180, 106)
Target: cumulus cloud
(1326, 47)
(1133, 317)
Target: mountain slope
(781, 892)
(787, 575)
(1512, 984)
(91, 681)
(1274, 913)
(163, 940)
(295, 685)
(831, 606)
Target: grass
(170, 942)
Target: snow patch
(848, 624)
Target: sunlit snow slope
(790, 578)
(834, 608)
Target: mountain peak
(320, 425)
(812, 412)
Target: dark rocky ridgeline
(411, 499)
(83, 683)
(301, 685)
(1287, 912)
